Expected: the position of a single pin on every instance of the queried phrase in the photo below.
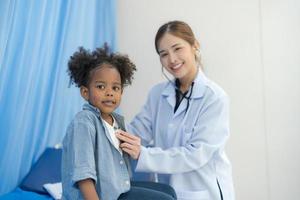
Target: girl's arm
(88, 190)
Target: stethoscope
(180, 95)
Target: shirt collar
(200, 83)
(115, 125)
(90, 107)
(118, 119)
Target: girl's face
(177, 56)
(104, 90)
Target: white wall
(281, 59)
(251, 49)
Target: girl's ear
(84, 91)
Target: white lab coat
(188, 150)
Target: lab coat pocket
(192, 195)
(187, 133)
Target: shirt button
(127, 182)
(121, 162)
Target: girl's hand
(131, 144)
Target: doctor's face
(177, 56)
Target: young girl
(93, 165)
(188, 120)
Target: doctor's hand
(131, 144)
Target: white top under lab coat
(188, 150)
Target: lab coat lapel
(169, 94)
(198, 92)
(181, 108)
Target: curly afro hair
(83, 62)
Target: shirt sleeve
(80, 148)
(208, 136)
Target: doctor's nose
(172, 58)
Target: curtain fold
(36, 104)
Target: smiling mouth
(175, 67)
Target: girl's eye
(177, 49)
(101, 87)
(116, 88)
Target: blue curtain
(36, 104)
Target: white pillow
(54, 189)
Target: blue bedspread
(19, 194)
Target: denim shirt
(88, 152)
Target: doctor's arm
(207, 137)
(140, 129)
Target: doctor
(187, 120)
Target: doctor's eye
(162, 55)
